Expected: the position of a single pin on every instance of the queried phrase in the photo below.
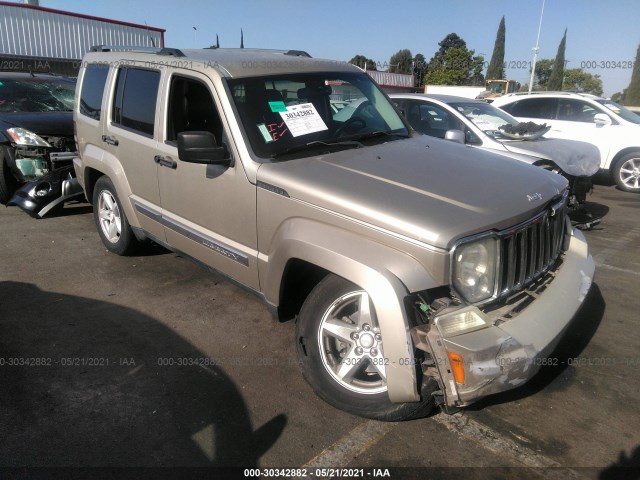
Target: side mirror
(456, 136)
(202, 147)
(602, 119)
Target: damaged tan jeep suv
(419, 271)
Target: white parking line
(493, 441)
(367, 434)
(618, 269)
(353, 444)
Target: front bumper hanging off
(505, 355)
(41, 196)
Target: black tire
(113, 226)
(8, 184)
(626, 172)
(371, 400)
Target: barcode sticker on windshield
(303, 119)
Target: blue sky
(606, 33)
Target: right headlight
(474, 269)
(22, 136)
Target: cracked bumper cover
(503, 357)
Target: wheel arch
(96, 163)
(619, 155)
(386, 274)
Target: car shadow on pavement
(90, 383)
(575, 339)
(625, 468)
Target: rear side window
(134, 104)
(533, 108)
(95, 77)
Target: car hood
(431, 190)
(40, 123)
(580, 159)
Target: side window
(431, 119)
(191, 108)
(135, 98)
(95, 77)
(534, 108)
(572, 110)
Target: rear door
(130, 137)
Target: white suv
(578, 116)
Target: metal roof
(34, 31)
(234, 62)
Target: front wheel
(626, 173)
(113, 226)
(341, 353)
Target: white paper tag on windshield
(303, 119)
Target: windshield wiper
(379, 133)
(317, 143)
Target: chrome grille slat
(530, 249)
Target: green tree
(401, 62)
(632, 93)
(450, 41)
(454, 64)
(544, 66)
(581, 81)
(496, 65)
(419, 69)
(557, 73)
(362, 61)
(619, 97)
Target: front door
(209, 211)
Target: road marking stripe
(479, 433)
(353, 444)
(618, 269)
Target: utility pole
(535, 50)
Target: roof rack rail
(174, 52)
(297, 53)
(293, 53)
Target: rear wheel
(113, 226)
(626, 173)
(341, 353)
(8, 183)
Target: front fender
(384, 273)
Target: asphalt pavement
(151, 361)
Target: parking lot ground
(152, 361)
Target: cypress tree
(557, 74)
(496, 65)
(632, 94)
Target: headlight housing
(22, 136)
(474, 269)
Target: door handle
(165, 162)
(110, 140)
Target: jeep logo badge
(534, 196)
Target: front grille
(530, 249)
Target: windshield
(298, 114)
(619, 110)
(36, 95)
(495, 87)
(486, 117)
